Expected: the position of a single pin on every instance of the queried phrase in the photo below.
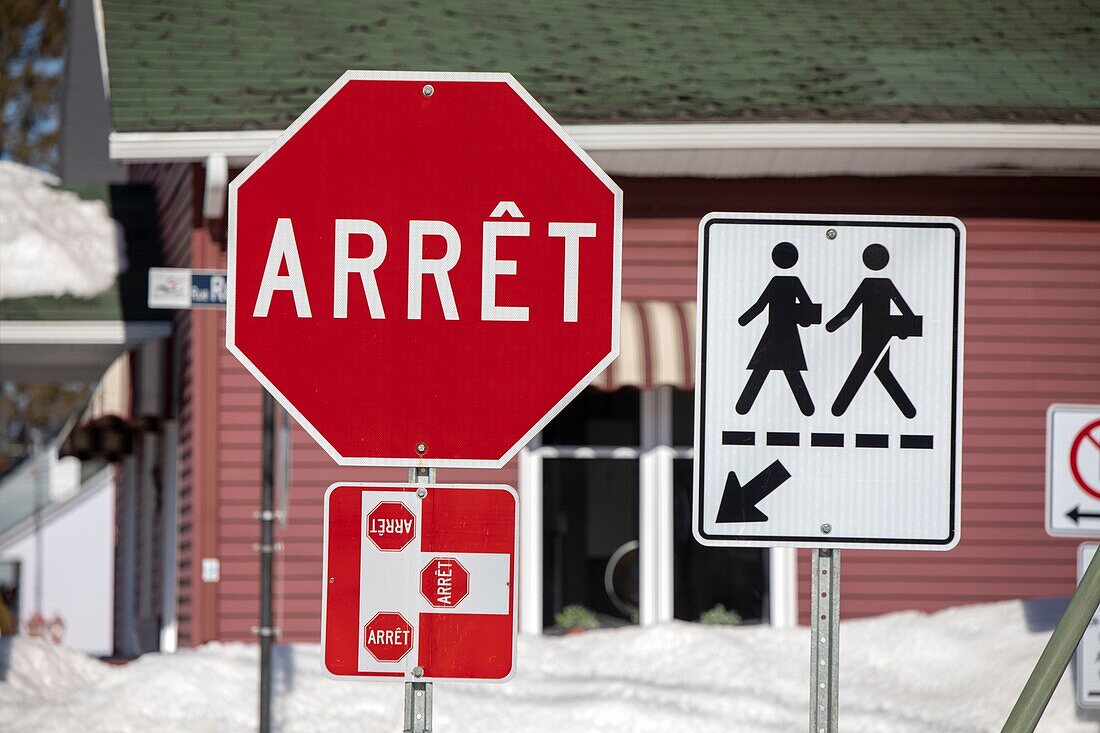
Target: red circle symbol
(444, 582)
(391, 526)
(1085, 439)
(388, 636)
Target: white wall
(78, 566)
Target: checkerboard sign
(829, 382)
(420, 587)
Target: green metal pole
(1063, 642)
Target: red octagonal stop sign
(388, 636)
(424, 269)
(391, 526)
(444, 582)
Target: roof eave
(739, 149)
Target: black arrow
(1075, 514)
(739, 502)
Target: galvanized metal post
(1052, 662)
(266, 629)
(418, 695)
(418, 707)
(825, 641)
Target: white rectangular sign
(1088, 651)
(829, 384)
(1073, 471)
(182, 288)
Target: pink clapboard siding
(1032, 338)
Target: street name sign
(419, 587)
(1087, 659)
(1073, 471)
(829, 381)
(418, 251)
(183, 288)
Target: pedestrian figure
(780, 348)
(874, 295)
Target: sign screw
(831, 233)
(428, 90)
(331, 580)
(422, 448)
(421, 492)
(826, 528)
(418, 671)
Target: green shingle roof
(133, 206)
(251, 64)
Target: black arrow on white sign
(739, 502)
(1075, 514)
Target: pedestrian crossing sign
(829, 381)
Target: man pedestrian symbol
(875, 295)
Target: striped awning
(656, 346)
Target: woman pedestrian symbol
(780, 348)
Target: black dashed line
(827, 440)
(916, 441)
(782, 438)
(872, 440)
(738, 437)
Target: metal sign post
(825, 641)
(266, 630)
(418, 695)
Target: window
(706, 577)
(593, 462)
(590, 507)
(597, 418)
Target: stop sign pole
(418, 695)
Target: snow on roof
(52, 242)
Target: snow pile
(957, 671)
(40, 669)
(52, 242)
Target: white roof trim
(740, 149)
(135, 147)
(82, 332)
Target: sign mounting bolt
(418, 671)
(830, 233)
(422, 448)
(826, 528)
(428, 90)
(421, 492)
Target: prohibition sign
(1085, 438)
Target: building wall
(1032, 312)
(188, 243)
(77, 573)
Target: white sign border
(822, 541)
(405, 488)
(1081, 532)
(426, 77)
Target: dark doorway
(590, 511)
(706, 577)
